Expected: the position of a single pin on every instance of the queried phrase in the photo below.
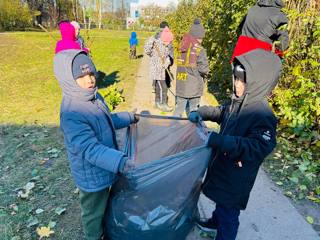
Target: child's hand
(126, 164)
(214, 140)
(194, 117)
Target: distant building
(119, 4)
(134, 11)
(151, 15)
(153, 11)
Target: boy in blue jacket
(89, 134)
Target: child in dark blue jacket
(133, 41)
(247, 135)
(89, 134)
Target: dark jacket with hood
(192, 68)
(247, 132)
(263, 21)
(88, 128)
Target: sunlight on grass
(28, 90)
(31, 144)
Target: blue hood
(133, 39)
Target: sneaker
(166, 108)
(207, 225)
(157, 105)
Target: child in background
(79, 39)
(162, 26)
(133, 41)
(260, 28)
(68, 37)
(158, 51)
(192, 68)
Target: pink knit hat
(166, 35)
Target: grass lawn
(32, 156)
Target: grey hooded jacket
(247, 132)
(263, 21)
(88, 128)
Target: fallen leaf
(16, 238)
(55, 155)
(39, 210)
(23, 195)
(44, 232)
(310, 219)
(29, 186)
(42, 162)
(26, 190)
(14, 207)
(36, 178)
(34, 172)
(52, 224)
(32, 222)
(59, 210)
(314, 199)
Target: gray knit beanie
(197, 30)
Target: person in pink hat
(158, 51)
(68, 38)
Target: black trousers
(161, 91)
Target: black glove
(126, 164)
(136, 118)
(194, 117)
(214, 140)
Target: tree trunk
(84, 17)
(100, 13)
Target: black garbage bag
(157, 200)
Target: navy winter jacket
(88, 128)
(247, 133)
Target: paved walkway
(269, 215)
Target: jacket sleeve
(209, 113)
(171, 53)
(81, 140)
(148, 47)
(256, 145)
(122, 119)
(202, 63)
(278, 20)
(283, 37)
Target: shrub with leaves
(296, 100)
(112, 96)
(14, 14)
(221, 20)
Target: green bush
(221, 19)
(112, 96)
(296, 100)
(14, 15)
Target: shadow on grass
(105, 80)
(35, 154)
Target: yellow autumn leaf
(44, 232)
